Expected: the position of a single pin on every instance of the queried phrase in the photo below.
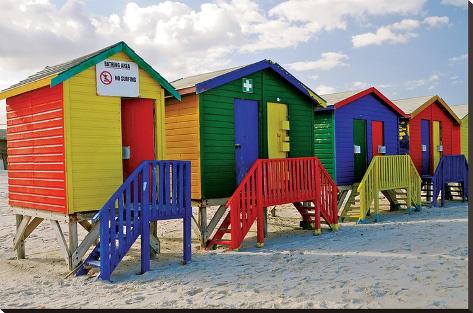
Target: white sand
(404, 261)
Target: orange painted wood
(35, 146)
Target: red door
(137, 132)
(377, 136)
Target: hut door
(246, 136)
(278, 126)
(377, 137)
(137, 133)
(437, 143)
(359, 142)
(425, 146)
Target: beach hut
(433, 131)
(462, 113)
(229, 118)
(354, 127)
(76, 131)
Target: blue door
(425, 148)
(246, 136)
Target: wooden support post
(265, 228)
(195, 226)
(90, 239)
(154, 241)
(273, 211)
(203, 225)
(62, 242)
(73, 239)
(20, 248)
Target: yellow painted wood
(183, 136)
(464, 136)
(387, 173)
(436, 143)
(93, 137)
(277, 130)
(28, 87)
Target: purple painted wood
(425, 140)
(250, 69)
(451, 169)
(369, 108)
(154, 197)
(246, 136)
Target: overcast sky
(404, 48)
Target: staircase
(389, 173)
(155, 190)
(271, 182)
(450, 179)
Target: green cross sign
(247, 85)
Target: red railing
(273, 182)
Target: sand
(403, 261)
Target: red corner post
(317, 201)
(259, 207)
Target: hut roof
(56, 74)
(203, 82)
(461, 110)
(339, 99)
(414, 106)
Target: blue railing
(451, 169)
(128, 212)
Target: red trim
(366, 92)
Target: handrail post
(259, 207)
(317, 203)
(409, 187)
(105, 270)
(187, 212)
(145, 235)
(376, 189)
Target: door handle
(237, 145)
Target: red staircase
(272, 182)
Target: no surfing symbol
(106, 77)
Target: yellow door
(278, 126)
(437, 142)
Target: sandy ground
(404, 261)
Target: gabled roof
(460, 110)
(203, 82)
(54, 75)
(414, 106)
(340, 99)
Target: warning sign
(117, 78)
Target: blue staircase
(155, 190)
(451, 169)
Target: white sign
(357, 149)
(117, 78)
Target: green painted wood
(217, 127)
(324, 140)
(359, 139)
(119, 47)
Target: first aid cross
(247, 85)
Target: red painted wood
(264, 186)
(450, 135)
(35, 146)
(137, 132)
(377, 136)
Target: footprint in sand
(194, 291)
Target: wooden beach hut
(433, 131)
(354, 128)
(76, 132)
(462, 113)
(228, 119)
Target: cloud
(359, 85)
(458, 3)
(323, 90)
(397, 33)
(436, 21)
(458, 59)
(328, 61)
(432, 80)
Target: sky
(405, 48)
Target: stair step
(93, 263)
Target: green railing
(386, 173)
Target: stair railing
(385, 173)
(155, 190)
